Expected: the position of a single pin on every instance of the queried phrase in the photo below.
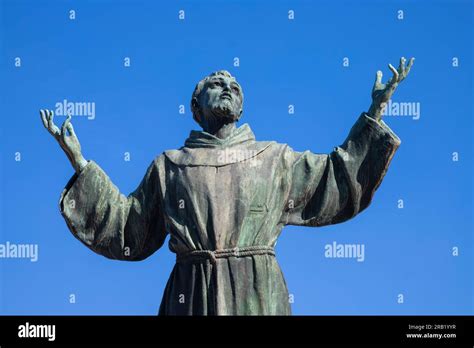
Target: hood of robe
(204, 149)
(240, 135)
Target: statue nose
(227, 90)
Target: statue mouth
(226, 96)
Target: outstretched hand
(69, 143)
(381, 93)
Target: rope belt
(213, 255)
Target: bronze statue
(224, 198)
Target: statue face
(220, 101)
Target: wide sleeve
(110, 223)
(325, 189)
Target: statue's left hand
(381, 93)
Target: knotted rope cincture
(213, 255)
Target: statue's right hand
(69, 143)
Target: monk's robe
(224, 203)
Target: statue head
(217, 100)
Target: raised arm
(325, 189)
(109, 223)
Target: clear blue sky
(407, 251)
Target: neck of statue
(222, 131)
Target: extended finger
(395, 74)
(378, 81)
(43, 118)
(410, 63)
(378, 78)
(401, 66)
(70, 128)
(54, 129)
(50, 117)
(64, 127)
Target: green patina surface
(215, 195)
(224, 198)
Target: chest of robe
(223, 198)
